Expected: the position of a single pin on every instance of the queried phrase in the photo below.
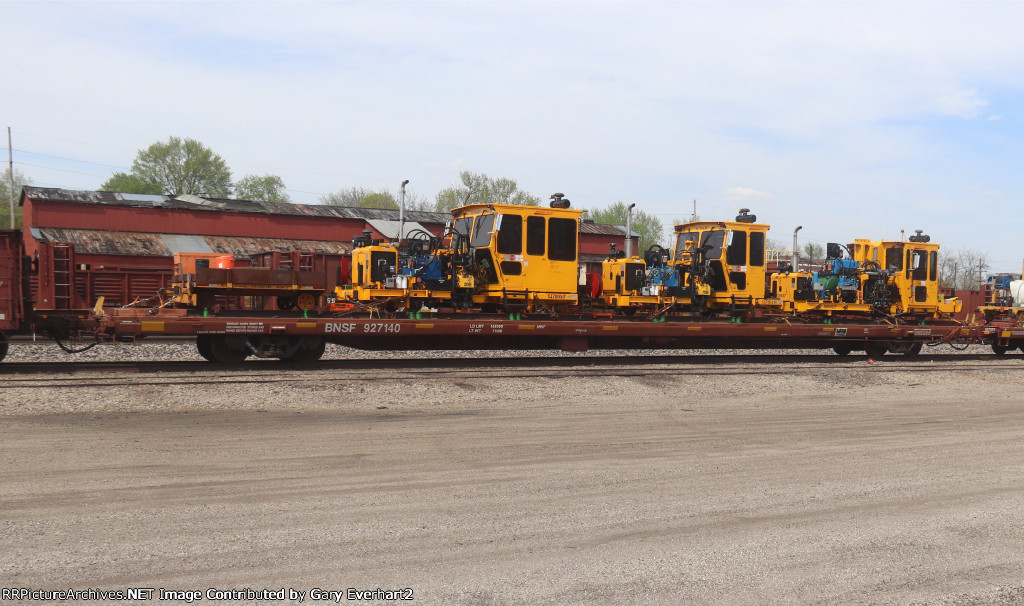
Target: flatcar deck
(537, 333)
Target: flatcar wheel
(205, 350)
(227, 350)
(843, 349)
(308, 355)
(3, 347)
(875, 349)
(999, 350)
(914, 349)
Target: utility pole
(10, 164)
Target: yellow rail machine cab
(721, 263)
(521, 257)
(621, 275)
(912, 274)
(374, 271)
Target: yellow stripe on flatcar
(694, 328)
(427, 326)
(527, 326)
(773, 328)
(1004, 334)
(305, 325)
(609, 328)
(152, 326)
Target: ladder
(63, 275)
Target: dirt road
(845, 485)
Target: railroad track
(116, 374)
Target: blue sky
(850, 119)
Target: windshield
(714, 240)
(482, 231)
(682, 238)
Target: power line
(63, 170)
(25, 151)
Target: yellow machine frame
(915, 270)
(524, 254)
(734, 263)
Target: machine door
(922, 267)
(511, 262)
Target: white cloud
(828, 106)
(962, 103)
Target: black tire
(203, 345)
(842, 349)
(914, 350)
(875, 349)
(226, 350)
(1000, 350)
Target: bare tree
(815, 253)
(963, 269)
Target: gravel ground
(854, 483)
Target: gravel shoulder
(853, 484)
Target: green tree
(478, 188)
(20, 181)
(368, 198)
(380, 199)
(360, 196)
(179, 166)
(130, 184)
(349, 196)
(648, 226)
(268, 188)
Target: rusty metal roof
(587, 227)
(160, 245)
(195, 203)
